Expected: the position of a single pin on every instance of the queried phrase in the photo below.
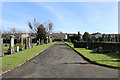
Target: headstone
(29, 42)
(42, 41)
(118, 37)
(21, 40)
(114, 39)
(78, 36)
(1, 47)
(1, 54)
(39, 42)
(47, 40)
(51, 40)
(26, 44)
(106, 39)
(11, 46)
(17, 48)
(24, 40)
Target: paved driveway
(60, 61)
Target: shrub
(21, 46)
(73, 38)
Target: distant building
(97, 35)
(59, 35)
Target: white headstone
(11, 46)
(51, 40)
(17, 48)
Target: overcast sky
(69, 17)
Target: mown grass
(11, 61)
(109, 59)
(34, 44)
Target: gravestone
(1, 54)
(11, 46)
(26, 44)
(17, 48)
(29, 42)
(1, 47)
(47, 40)
(51, 40)
(21, 39)
(39, 42)
(24, 40)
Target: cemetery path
(60, 61)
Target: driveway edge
(87, 59)
(25, 61)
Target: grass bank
(12, 61)
(107, 59)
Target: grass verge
(107, 59)
(12, 61)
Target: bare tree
(34, 27)
(49, 29)
(38, 30)
(13, 31)
(17, 33)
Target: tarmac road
(60, 61)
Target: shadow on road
(78, 63)
(60, 44)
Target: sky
(67, 17)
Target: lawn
(11, 61)
(34, 44)
(109, 59)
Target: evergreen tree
(41, 32)
(86, 36)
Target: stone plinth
(1, 47)
(11, 46)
